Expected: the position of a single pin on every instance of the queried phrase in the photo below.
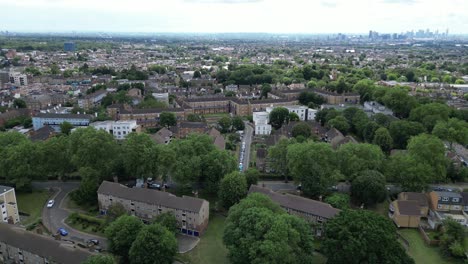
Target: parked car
(154, 186)
(93, 241)
(50, 204)
(62, 231)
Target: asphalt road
(54, 218)
(248, 132)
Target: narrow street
(248, 133)
(54, 218)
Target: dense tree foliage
(259, 231)
(153, 244)
(278, 117)
(232, 189)
(362, 237)
(369, 187)
(121, 234)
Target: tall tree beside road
(232, 189)
(354, 158)
(90, 181)
(430, 150)
(215, 165)
(225, 124)
(153, 244)
(369, 187)
(251, 175)
(454, 130)
(409, 174)
(277, 154)
(279, 116)
(140, 156)
(121, 234)
(238, 123)
(362, 236)
(259, 231)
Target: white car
(50, 204)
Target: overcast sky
(276, 16)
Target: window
(456, 200)
(439, 206)
(445, 199)
(456, 207)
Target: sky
(270, 16)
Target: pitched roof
(409, 208)
(68, 116)
(421, 198)
(42, 133)
(41, 245)
(298, 203)
(220, 142)
(465, 198)
(153, 197)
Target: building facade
(119, 129)
(20, 246)
(8, 205)
(92, 100)
(55, 120)
(192, 213)
(261, 120)
(18, 79)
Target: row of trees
(317, 166)
(260, 231)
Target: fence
(427, 239)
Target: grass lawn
(211, 248)
(32, 204)
(90, 228)
(72, 205)
(420, 252)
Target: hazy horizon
(233, 16)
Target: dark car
(93, 241)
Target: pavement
(248, 132)
(54, 218)
(186, 243)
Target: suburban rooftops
(151, 197)
(298, 203)
(42, 246)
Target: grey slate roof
(153, 197)
(298, 203)
(41, 245)
(52, 115)
(409, 208)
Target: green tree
(293, 117)
(275, 237)
(121, 234)
(339, 123)
(301, 129)
(278, 117)
(365, 88)
(115, 211)
(355, 158)
(408, 173)
(312, 164)
(453, 238)
(428, 149)
(56, 159)
(369, 187)
(167, 119)
(430, 114)
(66, 128)
(140, 156)
(251, 176)
(383, 139)
(356, 237)
(215, 165)
(100, 259)
(196, 74)
(369, 131)
(266, 88)
(18, 103)
(454, 130)
(54, 69)
(238, 123)
(401, 131)
(399, 101)
(90, 181)
(225, 124)
(168, 220)
(194, 118)
(153, 244)
(338, 200)
(232, 189)
(277, 154)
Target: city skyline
(219, 16)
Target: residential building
(18, 79)
(446, 204)
(148, 117)
(192, 213)
(408, 209)
(8, 205)
(119, 129)
(55, 120)
(186, 128)
(232, 88)
(308, 209)
(373, 108)
(261, 120)
(92, 100)
(163, 136)
(161, 97)
(20, 246)
(336, 98)
(465, 201)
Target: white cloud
(305, 16)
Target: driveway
(54, 218)
(248, 131)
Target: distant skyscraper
(69, 46)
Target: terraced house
(192, 213)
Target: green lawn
(420, 252)
(381, 208)
(32, 204)
(211, 249)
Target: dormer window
(445, 199)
